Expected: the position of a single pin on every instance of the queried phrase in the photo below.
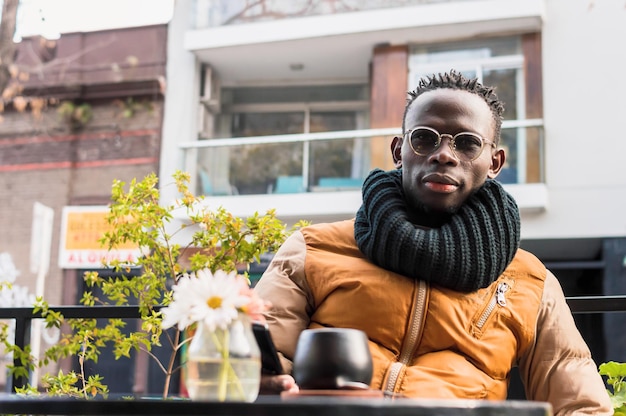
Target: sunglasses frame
(451, 142)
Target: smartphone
(270, 362)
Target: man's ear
(497, 163)
(396, 151)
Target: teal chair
(205, 182)
(289, 185)
(208, 189)
(341, 183)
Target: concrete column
(181, 99)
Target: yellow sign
(82, 228)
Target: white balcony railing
(330, 161)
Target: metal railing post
(22, 339)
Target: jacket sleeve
(284, 285)
(559, 368)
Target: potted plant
(176, 240)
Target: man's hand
(271, 384)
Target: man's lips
(440, 183)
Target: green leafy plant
(184, 236)
(75, 115)
(616, 378)
(130, 106)
(21, 356)
(83, 341)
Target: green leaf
(613, 369)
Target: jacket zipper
(408, 346)
(497, 299)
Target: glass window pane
(510, 171)
(471, 58)
(505, 82)
(297, 94)
(332, 158)
(523, 147)
(254, 169)
(464, 51)
(266, 168)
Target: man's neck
(426, 217)
(429, 219)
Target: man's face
(440, 182)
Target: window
(500, 63)
(290, 166)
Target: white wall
(584, 84)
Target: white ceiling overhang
(339, 47)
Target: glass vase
(224, 364)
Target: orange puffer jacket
(432, 342)
(425, 341)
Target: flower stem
(238, 386)
(227, 372)
(222, 347)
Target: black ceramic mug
(332, 358)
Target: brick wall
(43, 159)
(68, 169)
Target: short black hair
(456, 81)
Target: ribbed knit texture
(467, 253)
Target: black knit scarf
(466, 253)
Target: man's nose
(444, 154)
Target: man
(431, 270)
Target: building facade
(88, 111)
(288, 105)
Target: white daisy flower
(214, 299)
(178, 312)
(218, 298)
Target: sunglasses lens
(424, 141)
(468, 146)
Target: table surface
(270, 406)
